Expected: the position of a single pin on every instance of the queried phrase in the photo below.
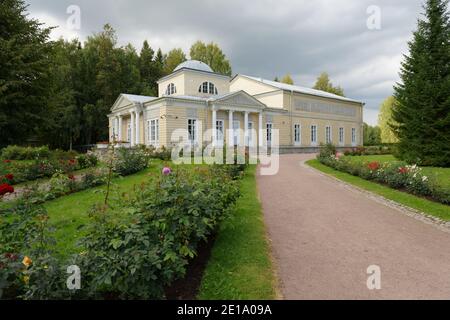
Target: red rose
(6, 188)
(403, 170)
(7, 161)
(373, 166)
(9, 176)
(71, 177)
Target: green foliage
(25, 153)
(323, 83)
(88, 160)
(212, 55)
(421, 114)
(397, 175)
(159, 235)
(371, 150)
(173, 59)
(372, 135)
(385, 121)
(130, 161)
(24, 72)
(328, 150)
(287, 79)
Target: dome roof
(194, 64)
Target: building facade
(216, 109)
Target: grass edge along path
(240, 266)
(428, 207)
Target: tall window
(314, 135)
(153, 132)
(171, 89)
(192, 130)
(353, 135)
(208, 87)
(297, 134)
(269, 127)
(219, 132)
(250, 134)
(341, 136)
(129, 132)
(328, 134)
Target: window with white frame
(353, 135)
(297, 134)
(219, 132)
(314, 135)
(328, 136)
(153, 132)
(192, 130)
(341, 136)
(129, 132)
(250, 134)
(269, 127)
(171, 89)
(208, 87)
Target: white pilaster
(119, 133)
(260, 130)
(214, 127)
(133, 125)
(230, 129)
(246, 135)
(138, 128)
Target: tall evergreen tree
(24, 70)
(148, 71)
(422, 110)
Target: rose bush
(397, 175)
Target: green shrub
(135, 256)
(25, 153)
(87, 160)
(327, 150)
(129, 161)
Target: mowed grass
(429, 207)
(70, 213)
(440, 175)
(240, 266)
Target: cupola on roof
(195, 65)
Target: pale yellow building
(216, 109)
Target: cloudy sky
(264, 38)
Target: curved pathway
(325, 235)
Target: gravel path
(325, 235)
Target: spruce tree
(422, 111)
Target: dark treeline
(59, 93)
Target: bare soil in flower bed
(188, 287)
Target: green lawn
(441, 175)
(69, 213)
(240, 266)
(429, 207)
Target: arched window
(208, 87)
(171, 89)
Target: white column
(214, 127)
(119, 133)
(133, 123)
(138, 128)
(260, 130)
(246, 135)
(230, 129)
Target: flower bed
(14, 172)
(134, 246)
(397, 175)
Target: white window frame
(297, 134)
(129, 132)
(220, 133)
(250, 127)
(236, 133)
(313, 135)
(328, 134)
(192, 122)
(208, 88)
(171, 89)
(269, 128)
(354, 137)
(342, 136)
(153, 138)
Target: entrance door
(237, 132)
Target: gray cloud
(265, 38)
